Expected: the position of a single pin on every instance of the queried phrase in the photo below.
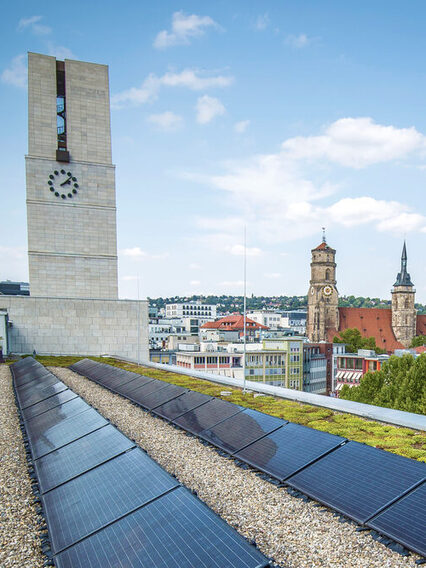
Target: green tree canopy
(400, 384)
(418, 341)
(354, 341)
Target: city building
(191, 309)
(73, 307)
(352, 367)
(318, 367)
(392, 328)
(10, 288)
(274, 362)
(231, 328)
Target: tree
(400, 384)
(354, 341)
(418, 341)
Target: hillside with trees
(235, 303)
(400, 384)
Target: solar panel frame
(210, 414)
(65, 432)
(30, 376)
(43, 422)
(405, 520)
(289, 449)
(80, 456)
(180, 405)
(160, 396)
(48, 404)
(141, 392)
(176, 530)
(45, 380)
(140, 480)
(127, 388)
(241, 430)
(358, 480)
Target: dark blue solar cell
(175, 531)
(44, 380)
(182, 404)
(64, 432)
(31, 375)
(48, 404)
(80, 456)
(139, 394)
(159, 396)
(207, 415)
(288, 449)
(405, 520)
(358, 480)
(132, 385)
(29, 396)
(241, 429)
(103, 495)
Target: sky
(279, 116)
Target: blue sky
(281, 116)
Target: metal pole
(245, 306)
(139, 326)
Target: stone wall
(64, 326)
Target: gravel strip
(294, 533)
(19, 522)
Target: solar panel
(288, 449)
(132, 385)
(159, 396)
(31, 375)
(207, 415)
(42, 423)
(64, 432)
(180, 405)
(405, 520)
(39, 393)
(103, 495)
(80, 456)
(175, 531)
(141, 392)
(358, 480)
(45, 380)
(48, 404)
(241, 429)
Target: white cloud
(195, 283)
(241, 127)
(262, 22)
(34, 24)
(149, 90)
(356, 143)
(298, 41)
(59, 51)
(16, 73)
(194, 266)
(135, 252)
(166, 120)
(184, 28)
(208, 108)
(283, 198)
(238, 250)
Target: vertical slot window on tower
(62, 154)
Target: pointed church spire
(403, 278)
(323, 235)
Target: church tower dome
(323, 297)
(404, 313)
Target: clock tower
(71, 207)
(323, 298)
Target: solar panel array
(382, 490)
(106, 502)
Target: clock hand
(67, 181)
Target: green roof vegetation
(402, 441)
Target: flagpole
(245, 309)
(139, 326)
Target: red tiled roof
(421, 349)
(322, 246)
(371, 322)
(233, 322)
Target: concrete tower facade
(404, 314)
(71, 206)
(323, 297)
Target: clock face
(328, 290)
(63, 184)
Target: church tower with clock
(71, 207)
(323, 298)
